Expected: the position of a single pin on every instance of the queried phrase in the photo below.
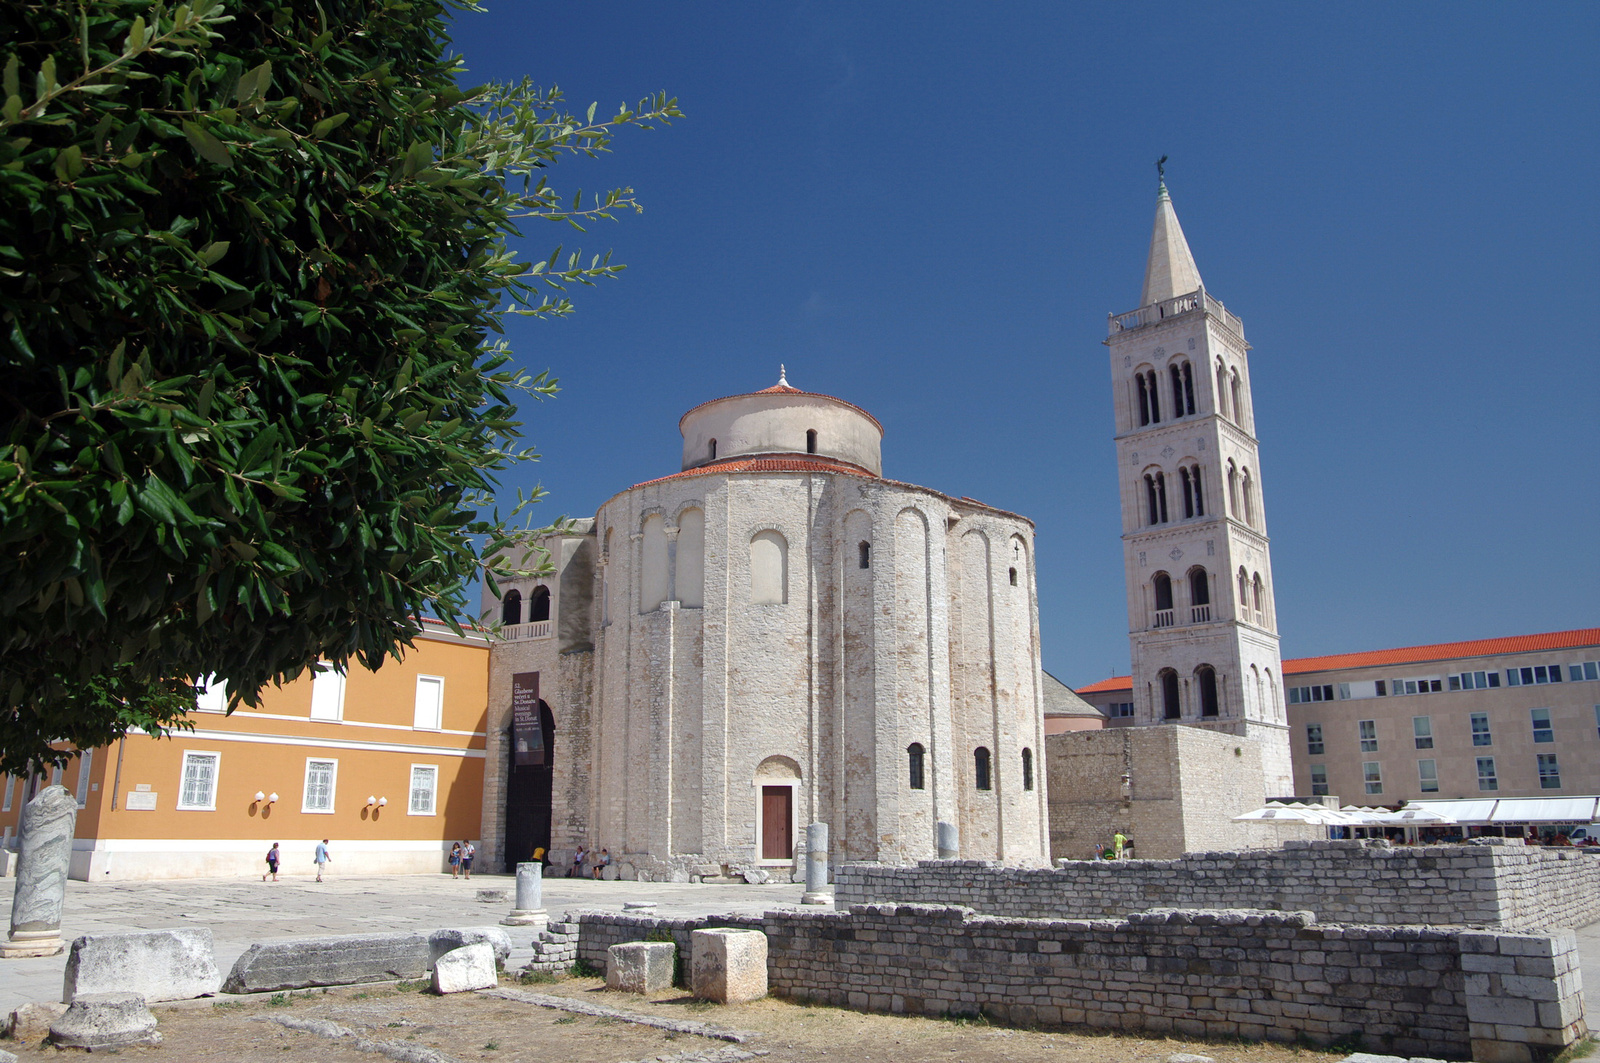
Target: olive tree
(254, 401)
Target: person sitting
(601, 862)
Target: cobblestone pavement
(241, 913)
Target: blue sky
(929, 209)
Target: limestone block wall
(1258, 975)
(1508, 886)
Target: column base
(527, 917)
(25, 944)
(816, 898)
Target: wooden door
(776, 815)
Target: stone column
(530, 897)
(817, 865)
(44, 851)
(949, 843)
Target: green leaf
(69, 163)
(328, 125)
(212, 253)
(207, 146)
(135, 39)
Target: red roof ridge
(784, 463)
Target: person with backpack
(455, 859)
(272, 863)
(468, 851)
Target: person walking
(455, 859)
(468, 851)
(321, 858)
(272, 863)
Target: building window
(321, 776)
(769, 569)
(713, 454)
(914, 756)
(1428, 776)
(1542, 731)
(1149, 401)
(980, 758)
(1163, 589)
(1549, 772)
(327, 693)
(1525, 677)
(1247, 489)
(1314, 745)
(511, 608)
(539, 605)
(1487, 780)
(1381, 688)
(1027, 769)
(1260, 599)
(424, 785)
(1422, 729)
(1155, 494)
(1206, 676)
(1238, 407)
(198, 790)
(1597, 717)
(1199, 596)
(1581, 672)
(1233, 491)
(811, 440)
(1303, 695)
(1372, 774)
(429, 714)
(211, 695)
(1013, 577)
(1123, 709)
(1474, 681)
(1480, 730)
(1222, 389)
(1398, 687)
(1369, 736)
(1319, 780)
(864, 554)
(1170, 708)
(85, 763)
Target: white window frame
(183, 775)
(1492, 778)
(1422, 731)
(1372, 776)
(327, 686)
(417, 721)
(215, 698)
(1430, 774)
(333, 787)
(85, 767)
(433, 792)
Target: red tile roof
(797, 463)
(1438, 651)
(780, 389)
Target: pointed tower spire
(1171, 270)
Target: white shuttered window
(198, 789)
(424, 785)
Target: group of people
(597, 863)
(1120, 844)
(461, 854)
(274, 858)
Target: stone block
(465, 969)
(729, 966)
(299, 963)
(156, 964)
(105, 1020)
(31, 1022)
(443, 941)
(641, 966)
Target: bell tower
(1201, 622)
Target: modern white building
(773, 635)
(1195, 549)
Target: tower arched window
(713, 450)
(1199, 596)
(1233, 491)
(511, 608)
(1258, 598)
(1182, 389)
(1149, 398)
(915, 756)
(1013, 577)
(980, 763)
(1155, 491)
(1222, 389)
(1206, 677)
(1249, 500)
(1162, 585)
(1199, 493)
(1238, 407)
(864, 552)
(811, 440)
(1170, 708)
(539, 605)
(1188, 496)
(1027, 769)
(1244, 594)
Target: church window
(713, 449)
(1163, 589)
(655, 576)
(511, 608)
(1182, 389)
(689, 574)
(1249, 501)
(769, 564)
(1194, 503)
(811, 441)
(1233, 491)
(1244, 594)
(1170, 708)
(1199, 596)
(1155, 491)
(539, 605)
(1177, 390)
(1238, 407)
(865, 549)
(914, 758)
(1027, 769)
(1149, 398)
(1222, 389)
(1188, 388)
(1260, 599)
(1207, 677)
(1188, 496)
(980, 758)
(1013, 577)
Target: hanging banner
(527, 733)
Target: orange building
(387, 765)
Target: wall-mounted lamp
(260, 797)
(372, 801)
(272, 799)
(383, 802)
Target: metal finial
(1161, 170)
(783, 379)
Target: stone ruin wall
(1509, 886)
(1231, 973)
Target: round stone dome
(781, 420)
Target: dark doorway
(776, 814)
(529, 793)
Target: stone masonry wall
(1256, 975)
(1508, 886)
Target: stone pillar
(817, 865)
(44, 851)
(530, 897)
(949, 844)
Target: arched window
(1163, 588)
(1222, 389)
(1177, 389)
(1188, 496)
(1013, 577)
(914, 759)
(865, 552)
(1149, 398)
(1194, 488)
(1169, 695)
(689, 562)
(1233, 490)
(655, 577)
(811, 440)
(713, 450)
(1244, 594)
(1182, 389)
(1027, 769)
(1155, 399)
(1206, 677)
(1199, 596)
(1249, 500)
(769, 569)
(539, 605)
(511, 608)
(980, 760)
(1188, 388)
(1259, 599)
(1155, 493)
(1238, 407)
